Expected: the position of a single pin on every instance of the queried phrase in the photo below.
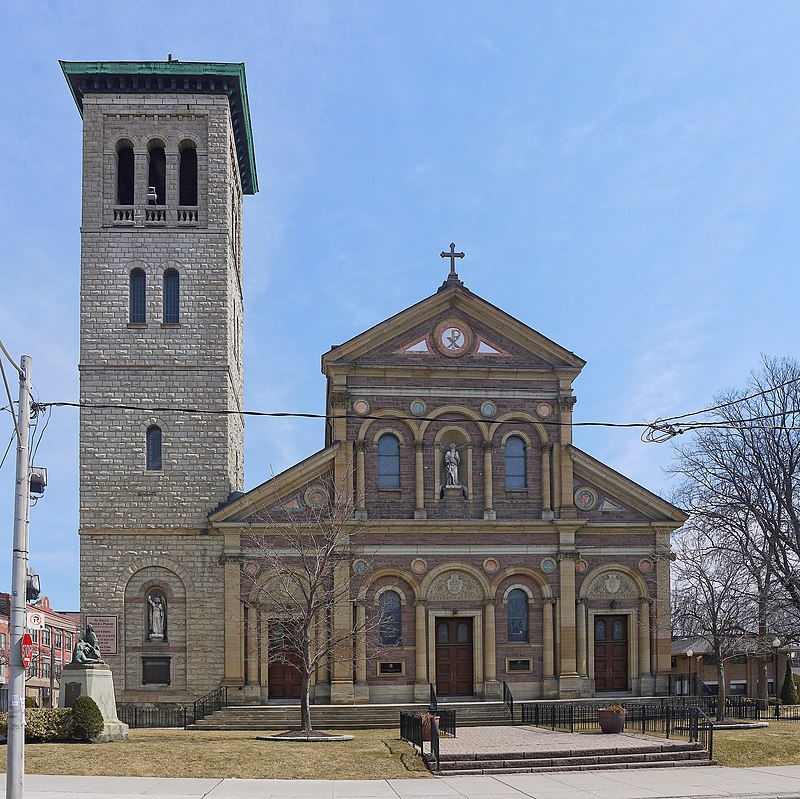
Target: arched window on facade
(172, 297)
(517, 617)
(125, 180)
(388, 461)
(137, 303)
(515, 463)
(391, 618)
(187, 178)
(157, 171)
(154, 461)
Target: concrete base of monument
(305, 736)
(94, 681)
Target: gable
(295, 493)
(603, 494)
(454, 328)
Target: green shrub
(788, 689)
(31, 702)
(42, 724)
(86, 719)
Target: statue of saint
(451, 461)
(87, 648)
(158, 617)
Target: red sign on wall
(26, 645)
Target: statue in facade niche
(87, 649)
(157, 617)
(451, 461)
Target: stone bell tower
(167, 157)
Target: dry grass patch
(373, 754)
(776, 745)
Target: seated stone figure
(87, 649)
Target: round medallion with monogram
(544, 409)
(586, 498)
(548, 565)
(488, 408)
(491, 565)
(316, 496)
(419, 565)
(417, 407)
(361, 407)
(453, 338)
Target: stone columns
(251, 621)
(488, 490)
(233, 671)
(569, 681)
(342, 690)
(549, 688)
(419, 481)
(661, 615)
(492, 688)
(547, 500)
(361, 688)
(566, 404)
(581, 636)
(421, 691)
(361, 495)
(644, 637)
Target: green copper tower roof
(173, 77)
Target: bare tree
(298, 563)
(741, 486)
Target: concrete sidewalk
(667, 783)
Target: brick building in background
(52, 649)
(532, 564)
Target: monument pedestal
(94, 681)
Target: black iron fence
(434, 700)
(153, 715)
(416, 728)
(665, 719)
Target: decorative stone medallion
(418, 407)
(453, 338)
(612, 585)
(359, 566)
(548, 565)
(316, 496)
(361, 407)
(586, 498)
(646, 566)
(419, 565)
(544, 409)
(581, 566)
(488, 408)
(491, 565)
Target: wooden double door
(283, 679)
(610, 653)
(454, 657)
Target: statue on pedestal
(157, 617)
(87, 649)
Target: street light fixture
(776, 642)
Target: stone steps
(344, 717)
(655, 756)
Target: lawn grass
(776, 745)
(373, 754)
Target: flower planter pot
(611, 721)
(426, 725)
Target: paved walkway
(670, 783)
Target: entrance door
(454, 657)
(610, 653)
(283, 674)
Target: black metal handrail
(211, 702)
(434, 700)
(508, 699)
(435, 740)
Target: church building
(501, 552)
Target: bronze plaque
(72, 690)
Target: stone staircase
(346, 717)
(656, 755)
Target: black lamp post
(776, 642)
(690, 655)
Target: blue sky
(623, 177)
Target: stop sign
(26, 645)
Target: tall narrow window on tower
(157, 170)
(172, 297)
(154, 448)
(388, 461)
(187, 180)
(137, 312)
(124, 173)
(515, 463)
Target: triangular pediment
(306, 485)
(602, 493)
(454, 327)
